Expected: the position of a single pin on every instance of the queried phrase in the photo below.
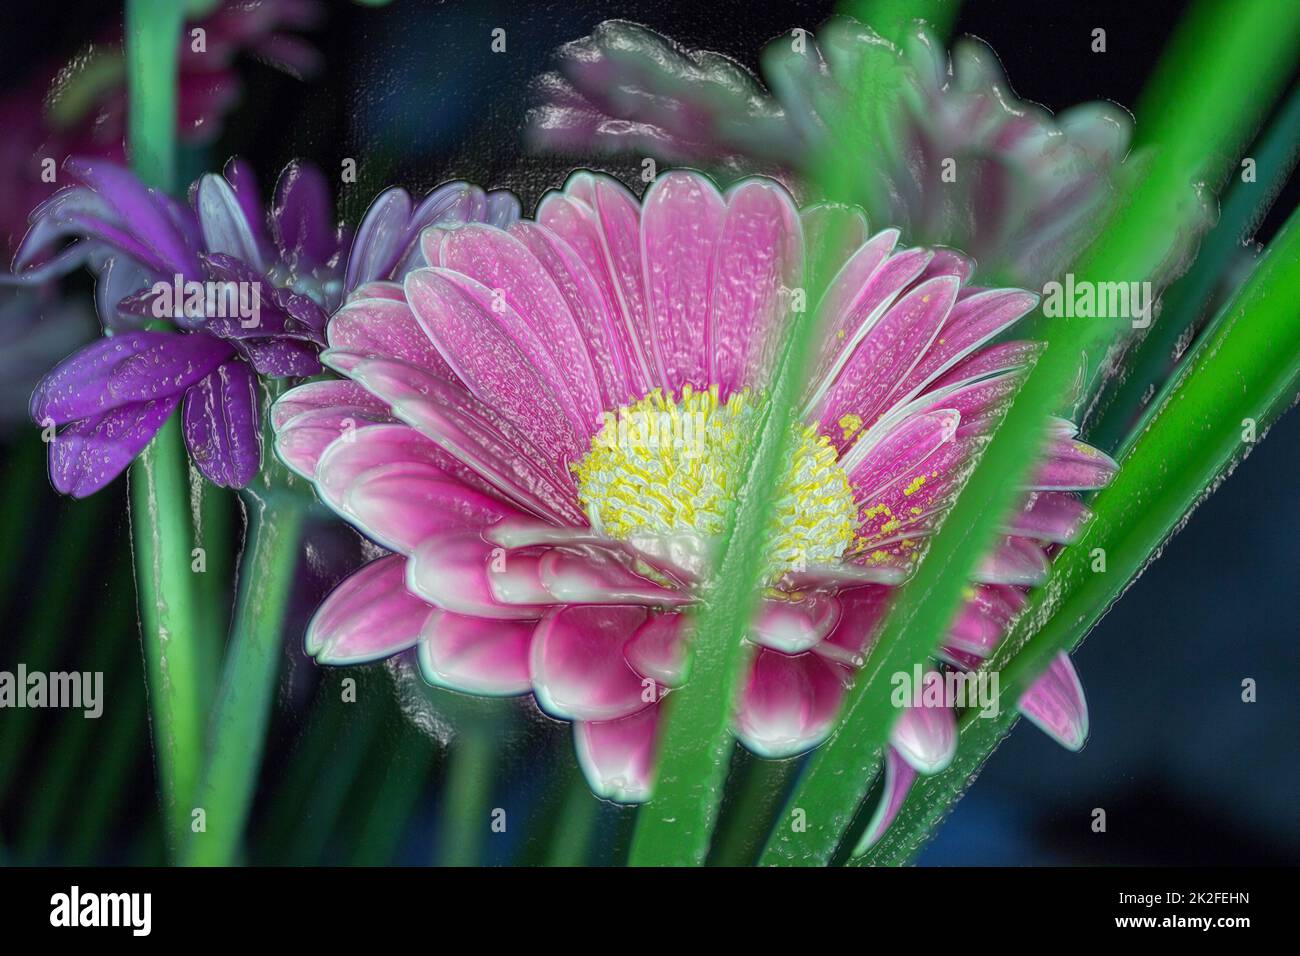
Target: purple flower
(958, 159)
(544, 427)
(248, 290)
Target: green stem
(46, 628)
(1186, 304)
(153, 33)
(243, 706)
(467, 797)
(161, 530)
(748, 816)
(381, 835)
(331, 788)
(574, 828)
(56, 781)
(211, 512)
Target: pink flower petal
(1013, 561)
(759, 255)
(793, 627)
(578, 668)
(502, 362)
(376, 446)
(502, 264)
(596, 325)
(973, 321)
(600, 220)
(470, 432)
(594, 576)
(899, 777)
(313, 396)
(861, 611)
(369, 616)
(983, 620)
(994, 359)
(682, 215)
(379, 289)
(658, 649)
(926, 736)
(900, 455)
(1055, 516)
(789, 704)
(406, 503)
(853, 296)
(886, 354)
(1056, 705)
(1074, 466)
(302, 439)
(474, 655)
(454, 573)
(385, 328)
(859, 299)
(618, 756)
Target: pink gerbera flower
(544, 426)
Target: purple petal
(281, 358)
(223, 425)
(90, 453)
(302, 217)
(141, 210)
(226, 230)
(124, 369)
(379, 238)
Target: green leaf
(1185, 304)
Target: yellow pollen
(663, 467)
(915, 486)
(850, 425)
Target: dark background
(1186, 771)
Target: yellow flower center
(663, 473)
